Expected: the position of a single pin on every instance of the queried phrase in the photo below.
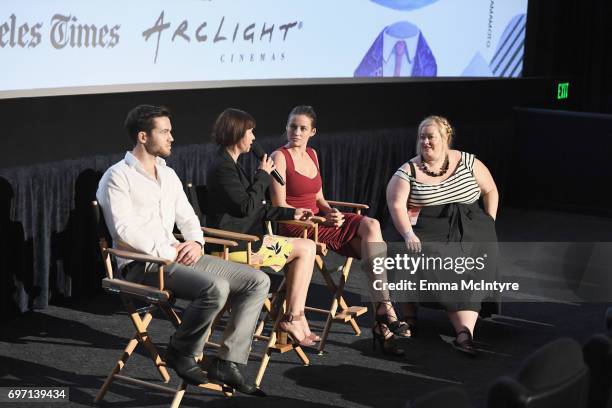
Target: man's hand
(188, 252)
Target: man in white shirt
(142, 199)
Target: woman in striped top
(434, 198)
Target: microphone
(259, 152)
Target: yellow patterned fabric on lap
(273, 253)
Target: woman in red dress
(348, 234)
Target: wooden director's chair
(339, 311)
(275, 341)
(154, 298)
(274, 305)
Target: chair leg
(269, 306)
(343, 305)
(328, 324)
(355, 327)
(329, 282)
(264, 364)
(127, 353)
(142, 335)
(272, 345)
(301, 355)
(262, 322)
(268, 351)
(352, 322)
(178, 396)
(338, 301)
(172, 315)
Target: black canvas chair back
(598, 357)
(104, 238)
(197, 196)
(201, 192)
(555, 376)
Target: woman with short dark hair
(237, 203)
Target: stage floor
(75, 345)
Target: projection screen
(58, 47)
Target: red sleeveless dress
(301, 193)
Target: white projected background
(50, 47)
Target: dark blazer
(235, 203)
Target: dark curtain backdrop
(51, 204)
(540, 159)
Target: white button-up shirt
(141, 211)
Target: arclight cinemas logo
(223, 30)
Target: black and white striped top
(460, 187)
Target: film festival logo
(224, 31)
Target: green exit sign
(563, 90)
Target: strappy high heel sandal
(397, 327)
(388, 345)
(311, 336)
(411, 321)
(466, 345)
(286, 325)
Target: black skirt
(454, 233)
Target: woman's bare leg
(369, 243)
(461, 320)
(300, 265)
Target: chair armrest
(347, 204)
(310, 223)
(147, 293)
(219, 241)
(229, 235)
(211, 240)
(306, 224)
(136, 256)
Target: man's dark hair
(140, 119)
(231, 125)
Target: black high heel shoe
(388, 345)
(411, 321)
(397, 327)
(467, 345)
